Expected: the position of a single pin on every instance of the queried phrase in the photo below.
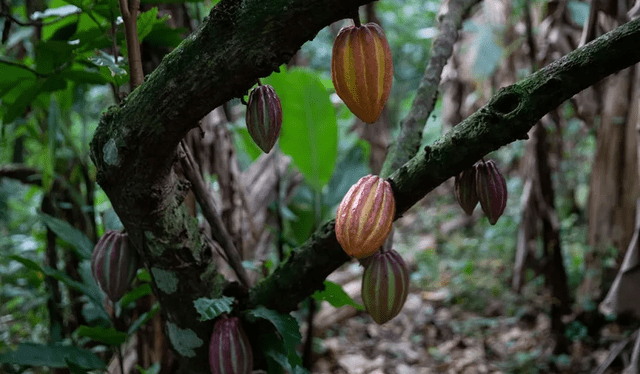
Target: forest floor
(438, 331)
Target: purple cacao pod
(230, 351)
(264, 117)
(465, 190)
(114, 264)
(491, 188)
(365, 216)
(385, 285)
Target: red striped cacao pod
(491, 189)
(365, 216)
(385, 285)
(362, 69)
(465, 190)
(264, 117)
(229, 350)
(114, 264)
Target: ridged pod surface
(362, 69)
(365, 216)
(229, 350)
(465, 190)
(264, 117)
(491, 188)
(385, 285)
(114, 264)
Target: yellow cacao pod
(362, 69)
(365, 216)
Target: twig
(211, 214)
(129, 11)
(408, 142)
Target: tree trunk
(614, 185)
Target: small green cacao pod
(229, 350)
(114, 264)
(491, 188)
(264, 117)
(465, 190)
(385, 285)
(365, 216)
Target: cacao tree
(138, 144)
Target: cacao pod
(491, 188)
(264, 117)
(114, 264)
(385, 285)
(465, 190)
(362, 69)
(365, 216)
(229, 350)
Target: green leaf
(135, 294)
(144, 318)
(164, 36)
(153, 369)
(108, 336)
(62, 11)
(71, 235)
(211, 308)
(52, 355)
(288, 328)
(57, 274)
(83, 76)
(146, 20)
(335, 295)
(309, 129)
(19, 106)
(104, 59)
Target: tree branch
(407, 144)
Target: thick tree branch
(506, 118)
(407, 144)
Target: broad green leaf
(57, 274)
(83, 76)
(153, 369)
(309, 129)
(52, 355)
(579, 12)
(164, 36)
(144, 318)
(62, 11)
(212, 308)
(335, 295)
(108, 336)
(69, 234)
(19, 106)
(286, 325)
(353, 165)
(135, 294)
(247, 143)
(104, 59)
(146, 20)
(488, 54)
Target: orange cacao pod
(362, 69)
(365, 216)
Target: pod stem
(259, 82)
(356, 18)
